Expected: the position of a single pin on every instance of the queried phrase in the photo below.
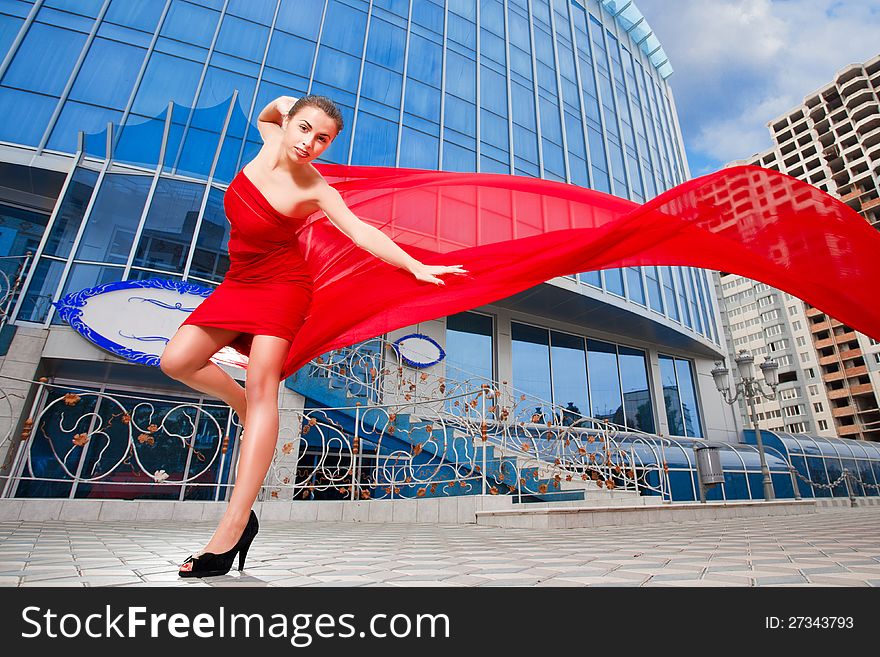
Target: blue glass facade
(564, 90)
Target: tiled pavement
(839, 547)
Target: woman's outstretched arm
(375, 241)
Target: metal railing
(11, 282)
(405, 433)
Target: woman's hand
(428, 273)
(284, 103)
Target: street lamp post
(750, 389)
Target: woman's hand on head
(430, 273)
(285, 103)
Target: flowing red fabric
(514, 232)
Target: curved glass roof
(811, 445)
(634, 24)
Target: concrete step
(459, 509)
(562, 517)
(832, 503)
(597, 503)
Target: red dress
(512, 233)
(268, 288)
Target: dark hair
(322, 103)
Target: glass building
(123, 123)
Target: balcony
(846, 336)
(828, 377)
(871, 138)
(848, 430)
(843, 411)
(838, 394)
(828, 360)
(855, 84)
(873, 203)
(866, 122)
(850, 73)
(859, 98)
(849, 354)
(822, 344)
(814, 312)
(856, 371)
(860, 389)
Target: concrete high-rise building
(832, 140)
(768, 322)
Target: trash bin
(709, 464)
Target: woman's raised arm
(270, 121)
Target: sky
(742, 63)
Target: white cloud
(741, 63)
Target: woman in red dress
(265, 296)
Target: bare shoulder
(321, 190)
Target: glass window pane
(669, 293)
(385, 44)
(531, 366)
(671, 397)
(211, 257)
(591, 278)
(301, 18)
(688, 394)
(88, 118)
(107, 74)
(418, 150)
(169, 227)
(25, 116)
(614, 281)
(44, 59)
(242, 39)
(114, 218)
(569, 361)
(167, 78)
(41, 291)
(141, 15)
(634, 285)
(655, 296)
(375, 141)
(469, 346)
(636, 394)
(605, 397)
(190, 23)
(70, 214)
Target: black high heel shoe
(209, 564)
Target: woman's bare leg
(255, 454)
(187, 359)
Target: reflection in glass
(70, 215)
(671, 396)
(605, 399)
(637, 404)
(211, 259)
(114, 218)
(687, 390)
(38, 298)
(531, 365)
(469, 346)
(171, 220)
(680, 394)
(469, 349)
(569, 359)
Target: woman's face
(307, 134)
